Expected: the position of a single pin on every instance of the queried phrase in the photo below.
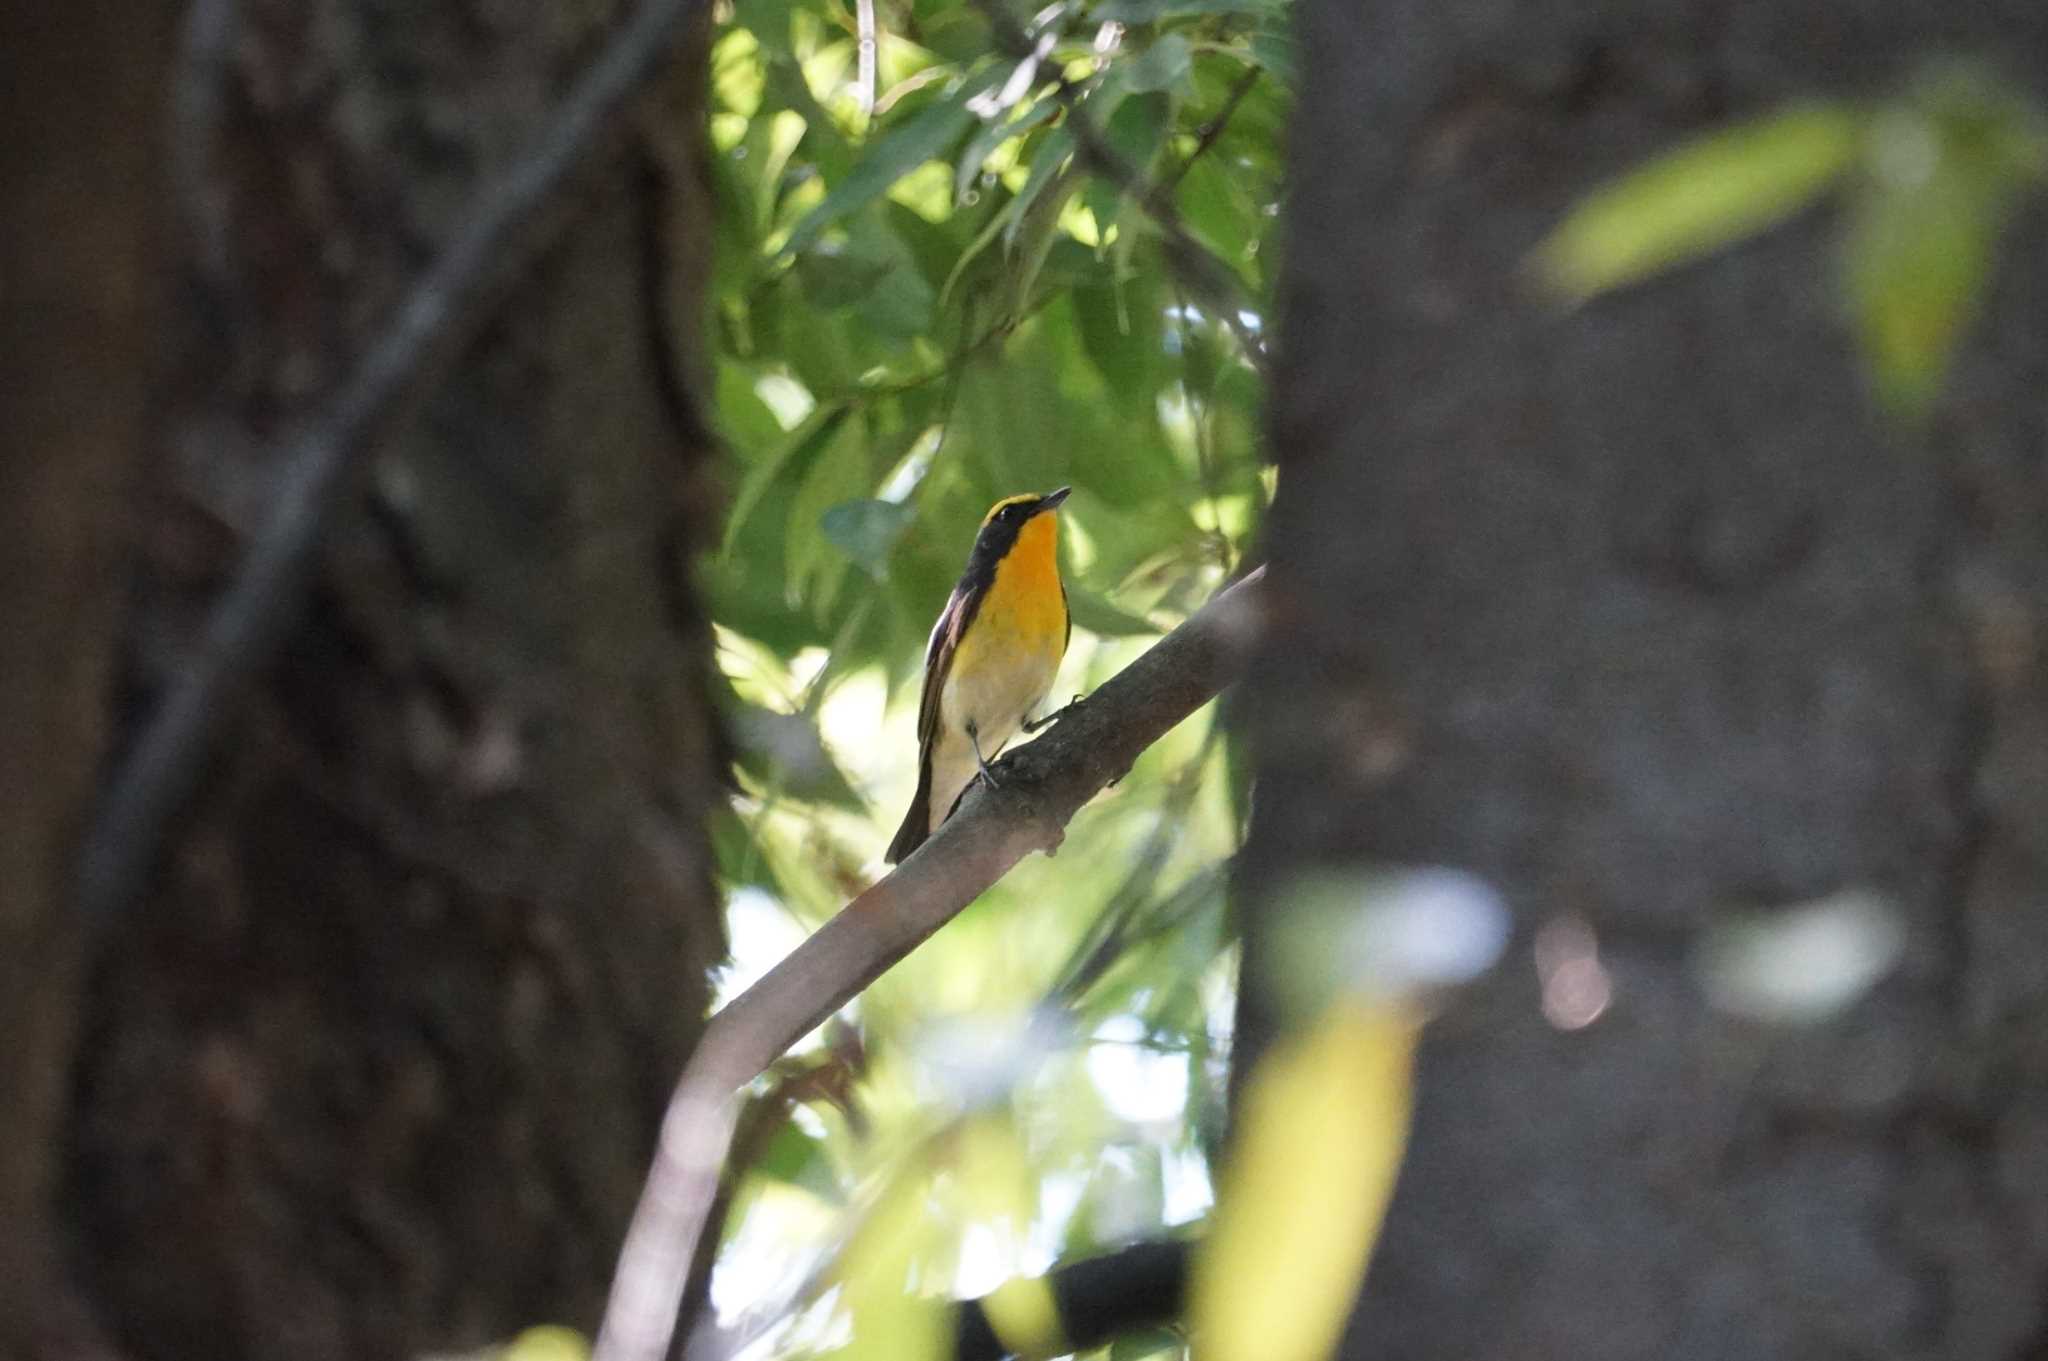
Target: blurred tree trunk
(77, 292)
(376, 1068)
(1640, 613)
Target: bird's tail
(917, 823)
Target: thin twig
(1213, 130)
(1043, 784)
(504, 234)
(864, 11)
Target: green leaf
(1122, 332)
(1040, 232)
(1047, 166)
(789, 468)
(1218, 207)
(925, 136)
(814, 572)
(1690, 202)
(900, 304)
(799, 1159)
(1135, 132)
(749, 427)
(767, 20)
(867, 532)
(1094, 613)
(958, 33)
(823, 144)
(1947, 166)
(1165, 65)
(1916, 263)
(932, 246)
(834, 277)
(1274, 50)
(992, 135)
(994, 228)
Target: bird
(991, 659)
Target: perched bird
(991, 658)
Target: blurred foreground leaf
(547, 1342)
(1026, 1316)
(1321, 1130)
(889, 1318)
(1946, 169)
(1692, 201)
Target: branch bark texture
(1043, 784)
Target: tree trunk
(1640, 613)
(77, 272)
(376, 1069)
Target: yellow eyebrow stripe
(997, 508)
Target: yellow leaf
(994, 1182)
(1319, 1140)
(1026, 1316)
(548, 1342)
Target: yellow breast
(1023, 618)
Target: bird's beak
(1052, 499)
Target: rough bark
(376, 1069)
(77, 248)
(1641, 613)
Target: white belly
(997, 705)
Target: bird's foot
(1034, 724)
(987, 775)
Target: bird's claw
(1034, 724)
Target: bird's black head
(1004, 521)
(1015, 510)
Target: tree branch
(505, 233)
(1213, 130)
(1043, 784)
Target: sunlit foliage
(927, 298)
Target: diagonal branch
(1044, 784)
(505, 233)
